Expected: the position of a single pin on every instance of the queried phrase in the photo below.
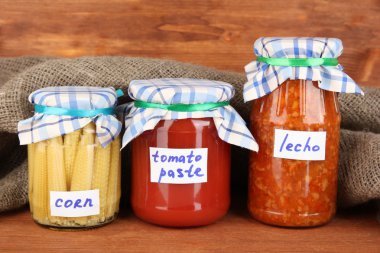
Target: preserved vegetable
(291, 192)
(295, 118)
(181, 131)
(74, 163)
(181, 204)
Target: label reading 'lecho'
(178, 166)
(75, 203)
(299, 145)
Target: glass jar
(289, 191)
(181, 205)
(181, 130)
(74, 162)
(72, 175)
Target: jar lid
(65, 109)
(182, 98)
(290, 47)
(280, 59)
(75, 97)
(180, 91)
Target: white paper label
(75, 203)
(178, 166)
(299, 145)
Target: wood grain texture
(357, 231)
(216, 33)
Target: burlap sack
(359, 174)
(20, 76)
(13, 167)
(361, 113)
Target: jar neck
(298, 100)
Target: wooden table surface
(354, 231)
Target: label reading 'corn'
(178, 166)
(74, 203)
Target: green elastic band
(181, 107)
(298, 62)
(73, 112)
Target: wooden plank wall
(208, 32)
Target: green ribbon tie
(298, 62)
(181, 107)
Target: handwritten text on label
(75, 203)
(178, 166)
(299, 145)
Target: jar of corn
(73, 156)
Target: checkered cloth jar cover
(265, 74)
(184, 93)
(62, 110)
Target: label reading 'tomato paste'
(299, 145)
(178, 166)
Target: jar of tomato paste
(73, 156)
(295, 118)
(181, 131)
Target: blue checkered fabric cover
(264, 78)
(41, 126)
(230, 126)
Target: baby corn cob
(31, 148)
(100, 177)
(83, 166)
(56, 171)
(71, 142)
(113, 192)
(118, 188)
(40, 191)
